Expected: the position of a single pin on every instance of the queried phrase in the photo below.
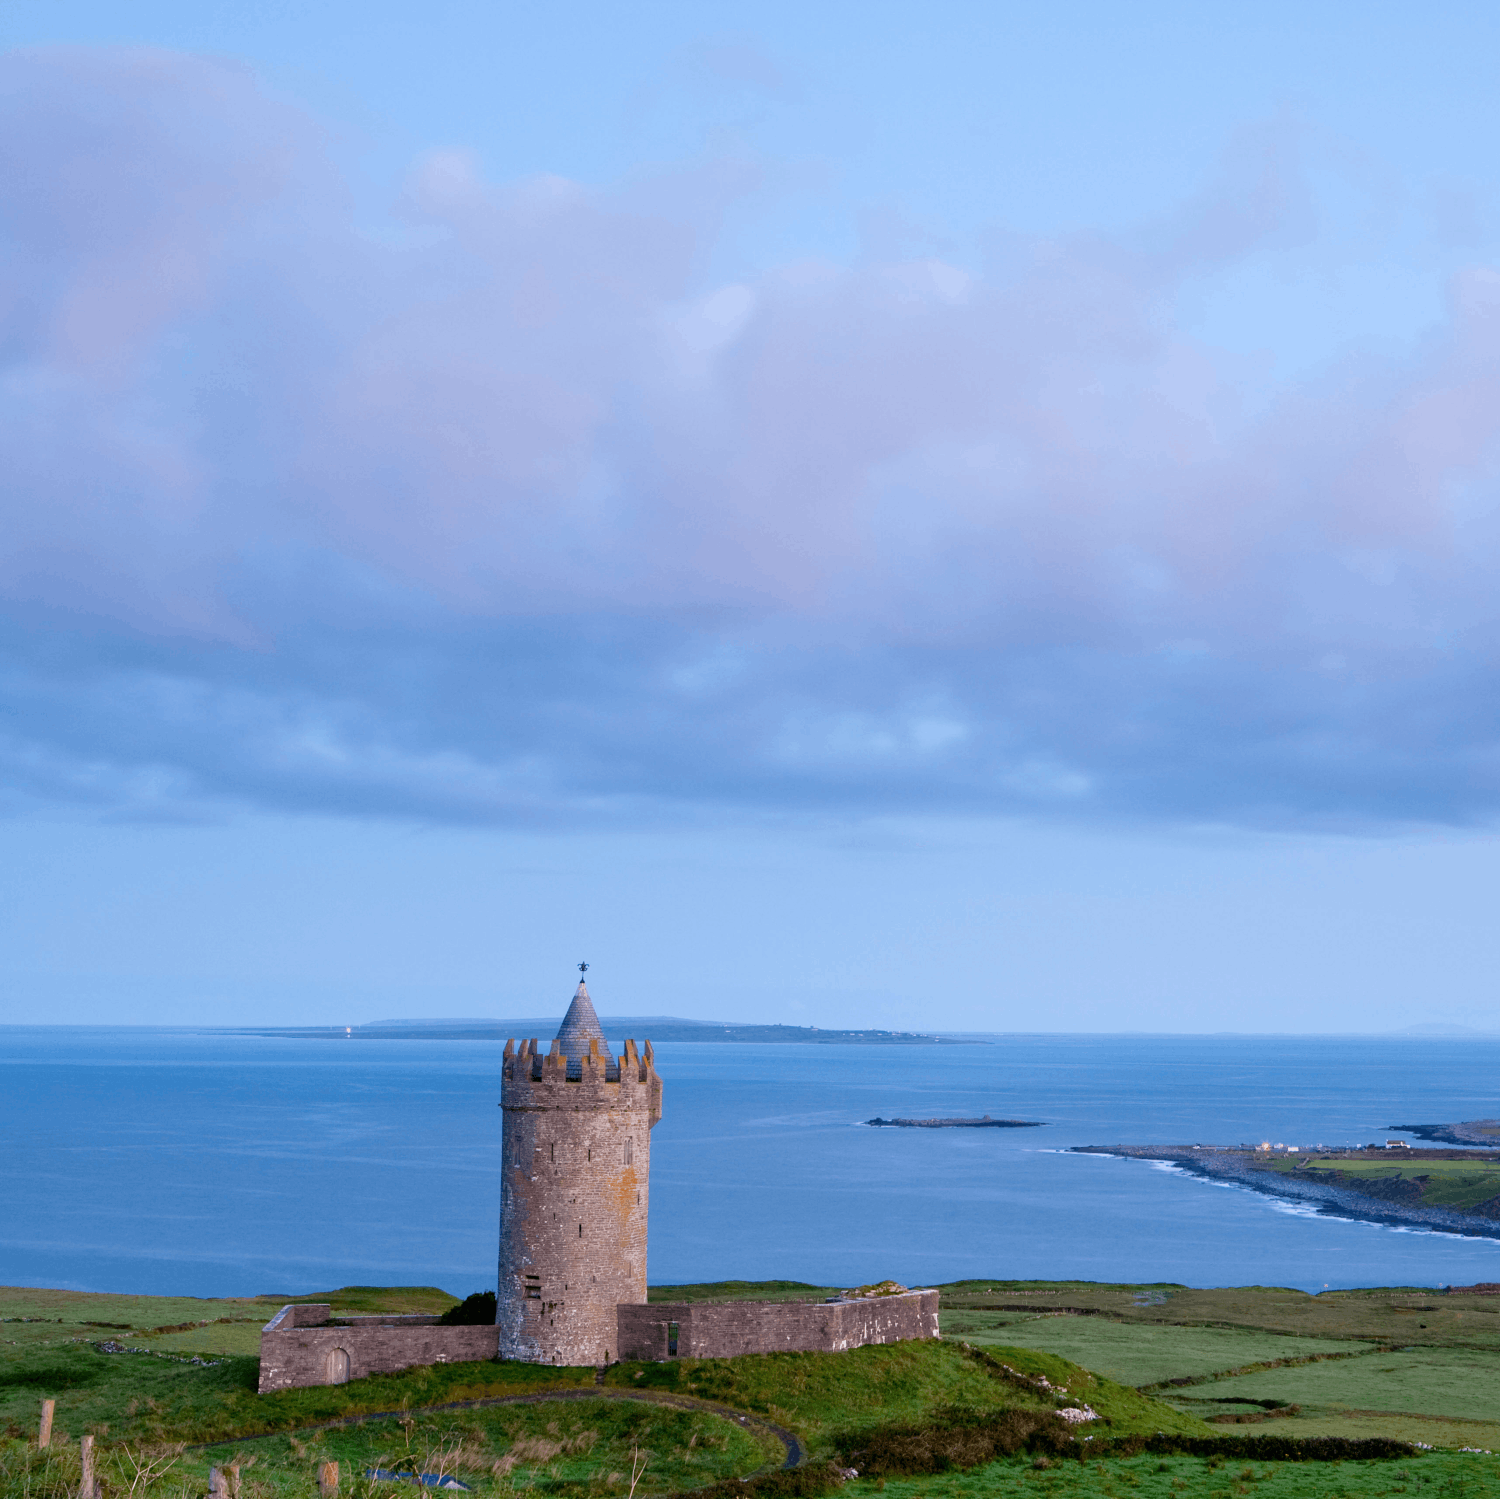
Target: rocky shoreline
(1460, 1133)
(1222, 1164)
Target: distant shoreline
(643, 1028)
(1227, 1164)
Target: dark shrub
(812, 1479)
(1266, 1447)
(959, 1439)
(479, 1308)
(51, 1377)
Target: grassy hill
(1404, 1362)
(830, 1397)
(167, 1386)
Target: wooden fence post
(328, 1478)
(88, 1486)
(44, 1431)
(233, 1471)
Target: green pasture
(142, 1398)
(1426, 1474)
(1338, 1420)
(144, 1407)
(1398, 1315)
(191, 1366)
(242, 1339)
(1444, 1184)
(187, 1326)
(588, 1447)
(1409, 1363)
(585, 1447)
(372, 1299)
(1427, 1382)
(742, 1291)
(1436, 1391)
(821, 1396)
(1143, 1354)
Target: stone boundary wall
(717, 1330)
(300, 1346)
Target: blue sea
(214, 1164)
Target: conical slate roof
(580, 1026)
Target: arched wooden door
(338, 1367)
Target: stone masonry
(575, 1177)
(718, 1330)
(301, 1345)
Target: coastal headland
(1451, 1190)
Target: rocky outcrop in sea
(956, 1123)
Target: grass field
(1397, 1315)
(1428, 1382)
(742, 1291)
(1407, 1363)
(142, 1406)
(206, 1327)
(196, 1383)
(1426, 1474)
(1143, 1354)
(820, 1396)
(1443, 1184)
(585, 1447)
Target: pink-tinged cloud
(510, 511)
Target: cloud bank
(506, 513)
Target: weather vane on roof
(583, 968)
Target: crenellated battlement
(554, 1065)
(532, 1078)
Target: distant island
(955, 1123)
(657, 1028)
(1396, 1183)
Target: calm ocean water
(208, 1164)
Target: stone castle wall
(300, 1346)
(575, 1181)
(718, 1330)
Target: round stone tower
(576, 1153)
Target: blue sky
(963, 515)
